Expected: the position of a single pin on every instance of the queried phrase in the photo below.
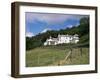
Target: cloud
(69, 26)
(50, 18)
(45, 30)
(29, 34)
(77, 24)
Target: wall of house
(62, 39)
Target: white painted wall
(5, 40)
(62, 39)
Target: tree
(84, 26)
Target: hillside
(55, 55)
(82, 30)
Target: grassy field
(55, 55)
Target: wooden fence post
(38, 59)
(81, 51)
(70, 54)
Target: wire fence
(68, 57)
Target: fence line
(60, 62)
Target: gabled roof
(76, 35)
(52, 39)
(65, 35)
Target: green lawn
(52, 55)
(78, 57)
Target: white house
(62, 39)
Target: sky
(41, 22)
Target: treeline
(82, 30)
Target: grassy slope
(45, 56)
(78, 58)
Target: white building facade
(61, 39)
